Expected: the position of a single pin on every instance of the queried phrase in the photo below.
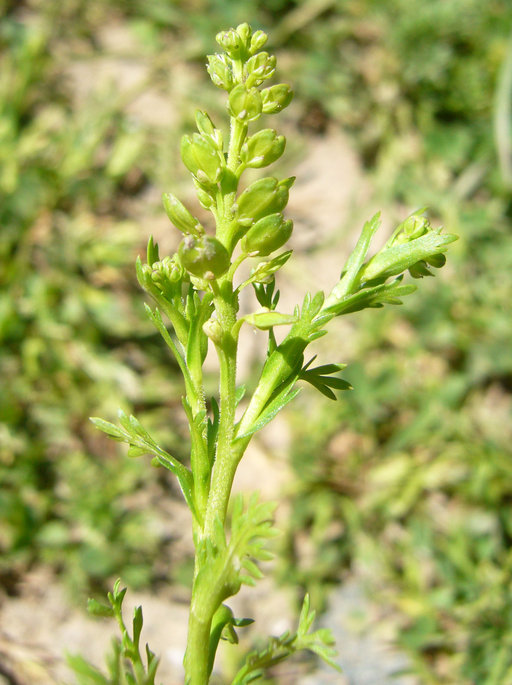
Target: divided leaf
(320, 377)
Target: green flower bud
(244, 104)
(213, 330)
(205, 199)
(201, 158)
(262, 148)
(254, 200)
(259, 68)
(207, 129)
(436, 260)
(221, 72)
(258, 40)
(263, 197)
(204, 123)
(419, 270)
(244, 31)
(276, 98)
(231, 42)
(413, 227)
(167, 273)
(412, 255)
(205, 256)
(180, 216)
(267, 234)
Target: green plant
(196, 290)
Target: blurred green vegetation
(408, 478)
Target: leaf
(398, 258)
(266, 320)
(134, 451)
(176, 349)
(213, 429)
(95, 608)
(281, 399)
(320, 378)
(280, 648)
(240, 394)
(85, 673)
(356, 259)
(109, 428)
(264, 270)
(152, 252)
(137, 625)
(376, 296)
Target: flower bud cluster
(242, 69)
(255, 217)
(416, 226)
(163, 277)
(166, 272)
(414, 246)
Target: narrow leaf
(108, 428)
(272, 408)
(265, 320)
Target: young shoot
(194, 305)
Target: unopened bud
(201, 158)
(259, 68)
(258, 40)
(413, 227)
(264, 196)
(245, 104)
(220, 71)
(276, 98)
(244, 31)
(204, 255)
(213, 330)
(231, 42)
(262, 148)
(267, 234)
(180, 216)
(419, 270)
(436, 260)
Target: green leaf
(320, 378)
(95, 608)
(265, 320)
(85, 673)
(376, 296)
(280, 648)
(152, 252)
(398, 258)
(354, 262)
(109, 428)
(264, 270)
(274, 406)
(134, 451)
(137, 625)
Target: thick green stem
(197, 654)
(224, 467)
(202, 611)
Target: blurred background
(401, 491)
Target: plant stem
(225, 466)
(197, 655)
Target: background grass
(411, 480)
